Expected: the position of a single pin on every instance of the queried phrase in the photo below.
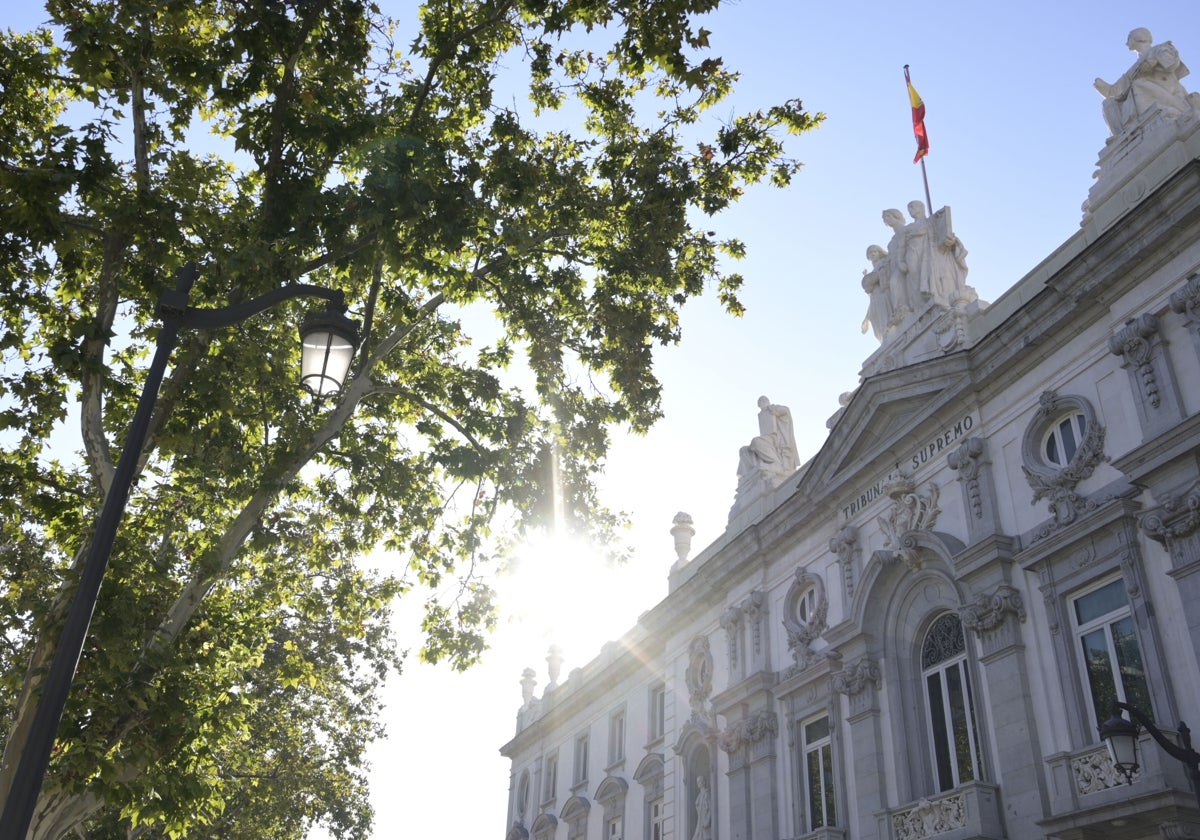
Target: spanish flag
(918, 114)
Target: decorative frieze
(929, 818)
(1094, 772)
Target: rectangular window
(581, 759)
(658, 711)
(1111, 657)
(658, 820)
(817, 749)
(616, 737)
(550, 777)
(613, 830)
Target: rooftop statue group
(1152, 83)
(924, 265)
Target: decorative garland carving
(1058, 484)
(966, 461)
(802, 630)
(1133, 341)
(987, 612)
(858, 677)
(926, 818)
(845, 545)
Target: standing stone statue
(936, 257)
(1152, 82)
(925, 265)
(703, 811)
(875, 284)
(902, 300)
(773, 453)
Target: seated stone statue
(1151, 83)
(771, 455)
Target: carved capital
(1178, 517)
(967, 461)
(857, 678)
(749, 730)
(1187, 299)
(988, 612)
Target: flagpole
(925, 178)
(921, 150)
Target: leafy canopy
(516, 266)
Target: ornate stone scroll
(845, 545)
(913, 508)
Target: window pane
(944, 641)
(1104, 600)
(1129, 661)
(1068, 436)
(937, 719)
(816, 730)
(827, 767)
(813, 777)
(960, 724)
(1052, 450)
(1099, 673)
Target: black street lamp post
(328, 342)
(1121, 735)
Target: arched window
(1062, 439)
(953, 736)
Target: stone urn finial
(683, 531)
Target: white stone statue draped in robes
(1151, 83)
(773, 453)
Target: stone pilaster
(861, 682)
(753, 805)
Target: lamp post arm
(1183, 753)
(226, 316)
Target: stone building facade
(915, 634)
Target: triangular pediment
(888, 415)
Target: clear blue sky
(1015, 129)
